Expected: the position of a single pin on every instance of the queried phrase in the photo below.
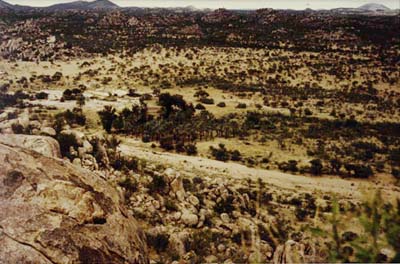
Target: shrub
(208, 101)
(291, 165)
(166, 142)
(200, 107)
(221, 104)
(159, 241)
(396, 173)
(107, 117)
(241, 106)
(42, 95)
(220, 153)
(307, 112)
(191, 149)
(316, 167)
(236, 155)
(158, 184)
(66, 141)
(225, 205)
(75, 116)
(17, 128)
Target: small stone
(211, 259)
(177, 216)
(180, 195)
(177, 185)
(48, 131)
(225, 218)
(77, 162)
(193, 200)
(189, 219)
(221, 248)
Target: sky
(230, 4)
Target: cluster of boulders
(221, 207)
(27, 41)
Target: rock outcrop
(54, 212)
(46, 146)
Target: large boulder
(46, 146)
(54, 212)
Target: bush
(220, 153)
(66, 141)
(236, 155)
(307, 112)
(291, 166)
(69, 94)
(166, 142)
(358, 171)
(316, 167)
(225, 205)
(191, 149)
(73, 117)
(107, 117)
(396, 173)
(221, 104)
(158, 184)
(17, 128)
(42, 96)
(208, 101)
(200, 107)
(159, 241)
(241, 106)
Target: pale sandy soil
(352, 189)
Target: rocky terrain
(133, 135)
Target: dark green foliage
(358, 171)
(208, 101)
(69, 94)
(221, 104)
(200, 107)
(107, 117)
(17, 128)
(41, 95)
(236, 156)
(241, 106)
(316, 167)
(225, 205)
(159, 241)
(191, 149)
(291, 166)
(158, 184)
(66, 141)
(220, 153)
(74, 117)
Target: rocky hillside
(54, 212)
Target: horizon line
(206, 4)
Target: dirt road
(354, 189)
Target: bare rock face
(54, 212)
(46, 146)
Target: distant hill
(374, 7)
(83, 5)
(5, 5)
(9, 7)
